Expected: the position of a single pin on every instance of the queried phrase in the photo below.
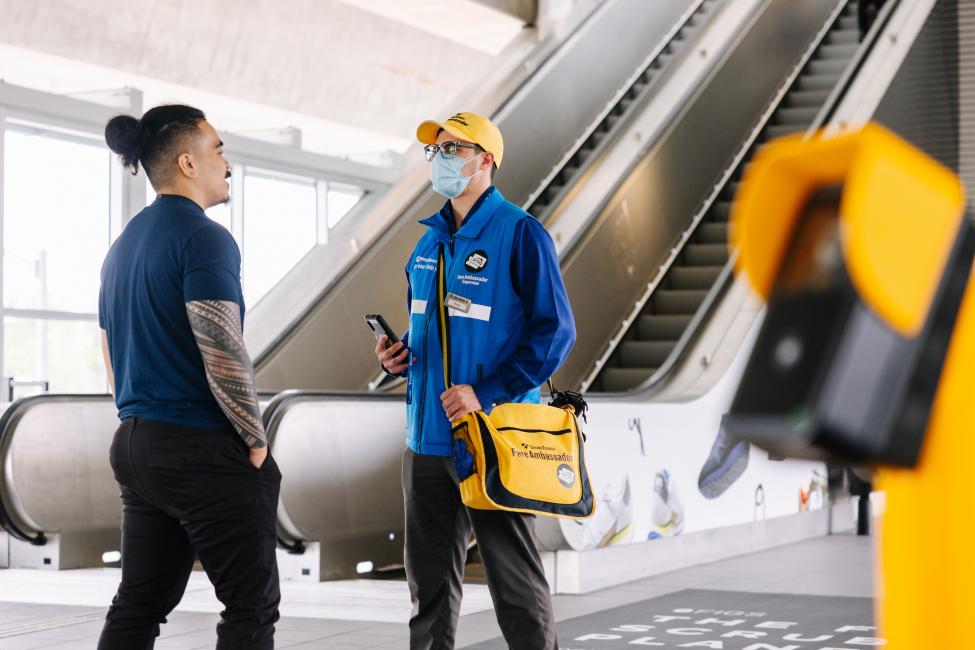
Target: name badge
(460, 303)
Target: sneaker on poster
(611, 524)
(667, 514)
(725, 464)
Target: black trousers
(438, 530)
(189, 493)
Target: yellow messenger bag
(526, 457)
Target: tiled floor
(835, 566)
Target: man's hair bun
(122, 134)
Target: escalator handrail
(713, 298)
(8, 425)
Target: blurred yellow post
(899, 214)
(926, 581)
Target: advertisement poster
(666, 469)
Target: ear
(487, 161)
(187, 165)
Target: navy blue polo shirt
(169, 254)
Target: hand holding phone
(380, 327)
(392, 354)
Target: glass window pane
(340, 201)
(220, 214)
(22, 353)
(279, 228)
(54, 241)
(68, 354)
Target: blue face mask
(446, 175)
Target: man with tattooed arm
(190, 455)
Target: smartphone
(379, 327)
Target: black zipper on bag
(554, 433)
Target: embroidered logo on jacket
(476, 261)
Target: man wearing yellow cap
(509, 329)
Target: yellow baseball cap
(467, 126)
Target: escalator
(327, 347)
(698, 262)
(911, 89)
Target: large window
(341, 199)
(63, 200)
(280, 226)
(59, 207)
(276, 219)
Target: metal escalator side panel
(340, 450)
(54, 459)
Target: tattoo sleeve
(230, 373)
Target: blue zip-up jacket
(517, 332)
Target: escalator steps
(706, 254)
(827, 66)
(720, 210)
(807, 99)
(818, 82)
(845, 51)
(801, 116)
(713, 233)
(849, 23)
(645, 353)
(693, 277)
(621, 379)
(679, 301)
(730, 190)
(844, 37)
(784, 129)
(659, 327)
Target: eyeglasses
(447, 149)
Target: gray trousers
(438, 529)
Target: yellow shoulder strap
(443, 323)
